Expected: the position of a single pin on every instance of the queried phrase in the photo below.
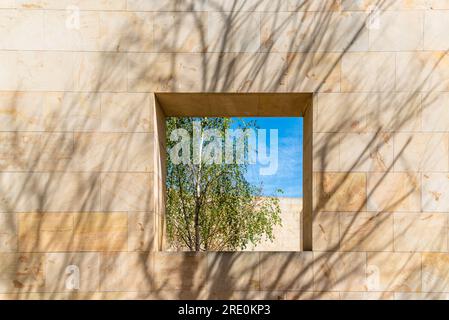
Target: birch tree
(210, 204)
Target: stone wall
(79, 143)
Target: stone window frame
(180, 104)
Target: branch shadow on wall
(73, 170)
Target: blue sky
(289, 174)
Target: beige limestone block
(302, 31)
(48, 296)
(52, 191)
(420, 231)
(9, 77)
(100, 71)
(366, 231)
(381, 153)
(99, 31)
(326, 231)
(343, 32)
(233, 271)
(115, 295)
(437, 4)
(30, 4)
(422, 71)
(126, 112)
(326, 71)
(127, 191)
(67, 111)
(89, 35)
(312, 295)
(58, 232)
(141, 152)
(139, 35)
(20, 192)
(436, 22)
(221, 69)
(286, 271)
(180, 271)
(421, 296)
(232, 6)
(61, 32)
(6, 4)
(398, 31)
(100, 152)
(19, 150)
(439, 75)
(407, 4)
(314, 72)
(69, 191)
(8, 232)
(393, 271)
(99, 4)
(22, 272)
(421, 152)
(373, 71)
(303, 76)
(435, 192)
(246, 295)
(169, 5)
(366, 152)
(165, 72)
(45, 71)
(414, 70)
(21, 111)
(394, 192)
(324, 5)
(341, 112)
(305, 26)
(200, 294)
(22, 30)
(339, 271)
(340, 191)
(141, 231)
(16, 149)
(126, 271)
(82, 4)
(435, 271)
(33, 151)
(435, 112)
(396, 112)
(126, 31)
(100, 231)
(256, 72)
(233, 32)
(251, 5)
(60, 296)
(367, 295)
(180, 31)
(45, 232)
(387, 5)
(58, 36)
(61, 268)
(56, 150)
(280, 31)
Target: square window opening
(234, 172)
